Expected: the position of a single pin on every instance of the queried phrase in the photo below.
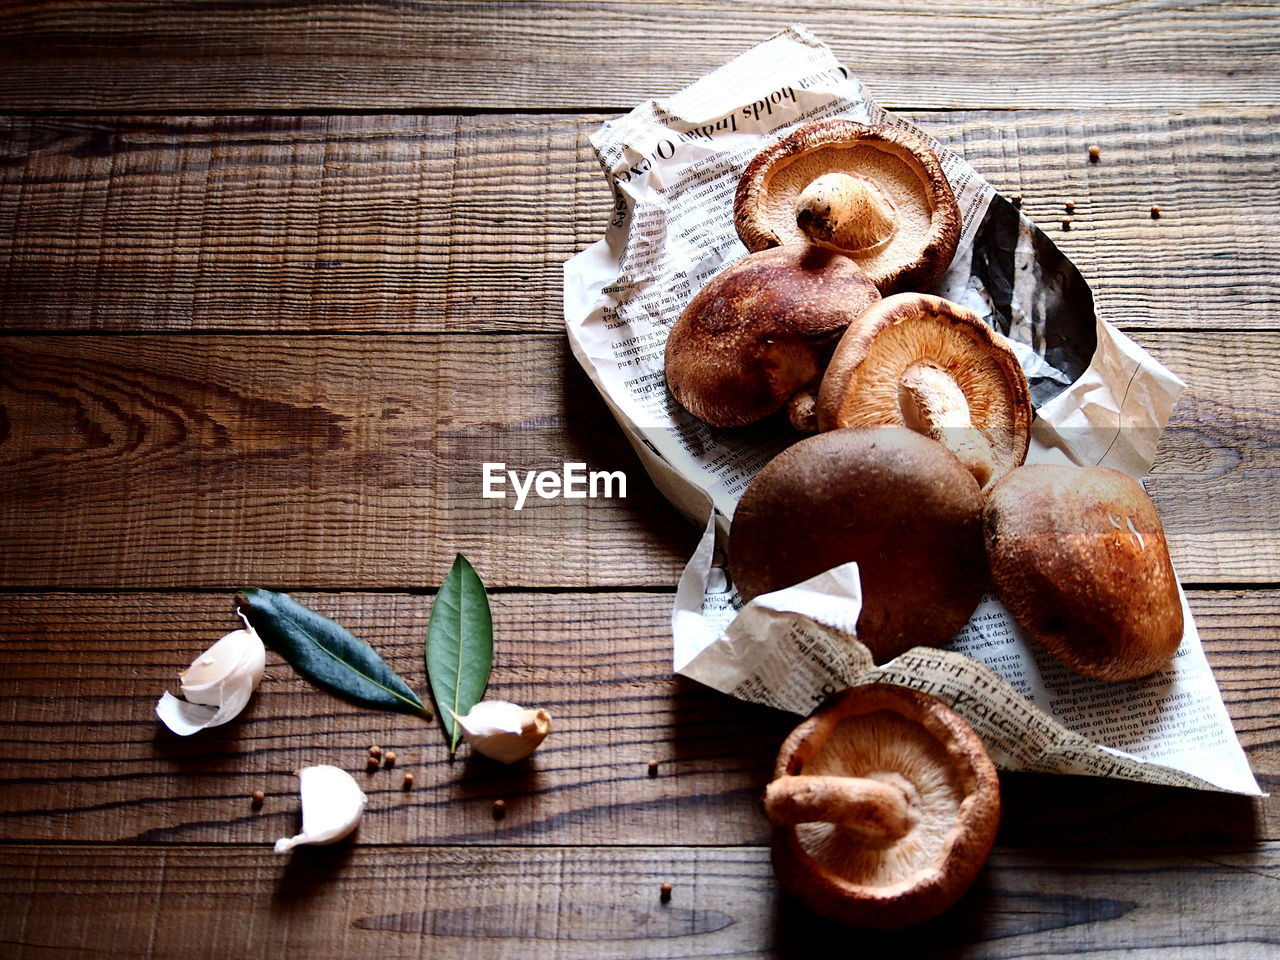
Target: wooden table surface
(277, 278)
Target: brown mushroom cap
(929, 806)
(897, 502)
(761, 332)
(924, 362)
(876, 193)
(1079, 558)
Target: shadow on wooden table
(1044, 808)
(1057, 900)
(214, 750)
(592, 435)
(709, 723)
(309, 870)
(512, 783)
(982, 915)
(1074, 854)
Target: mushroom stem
(932, 403)
(802, 410)
(876, 811)
(844, 211)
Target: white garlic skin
(504, 731)
(332, 806)
(217, 685)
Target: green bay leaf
(326, 653)
(459, 649)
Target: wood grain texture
(353, 462)
(318, 223)
(586, 902)
(84, 759)
(125, 54)
(277, 278)
(348, 461)
(1200, 467)
(408, 223)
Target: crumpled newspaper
(673, 165)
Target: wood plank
(316, 223)
(1207, 262)
(490, 904)
(345, 461)
(353, 462)
(124, 54)
(83, 758)
(1201, 467)
(601, 664)
(407, 223)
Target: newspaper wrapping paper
(674, 165)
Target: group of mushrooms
(884, 803)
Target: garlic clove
(217, 685)
(239, 654)
(181, 717)
(332, 805)
(504, 731)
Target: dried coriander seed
(653, 768)
(1155, 212)
(664, 893)
(408, 781)
(1095, 152)
(389, 758)
(499, 809)
(258, 798)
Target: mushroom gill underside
(892, 750)
(931, 379)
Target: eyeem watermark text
(573, 482)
